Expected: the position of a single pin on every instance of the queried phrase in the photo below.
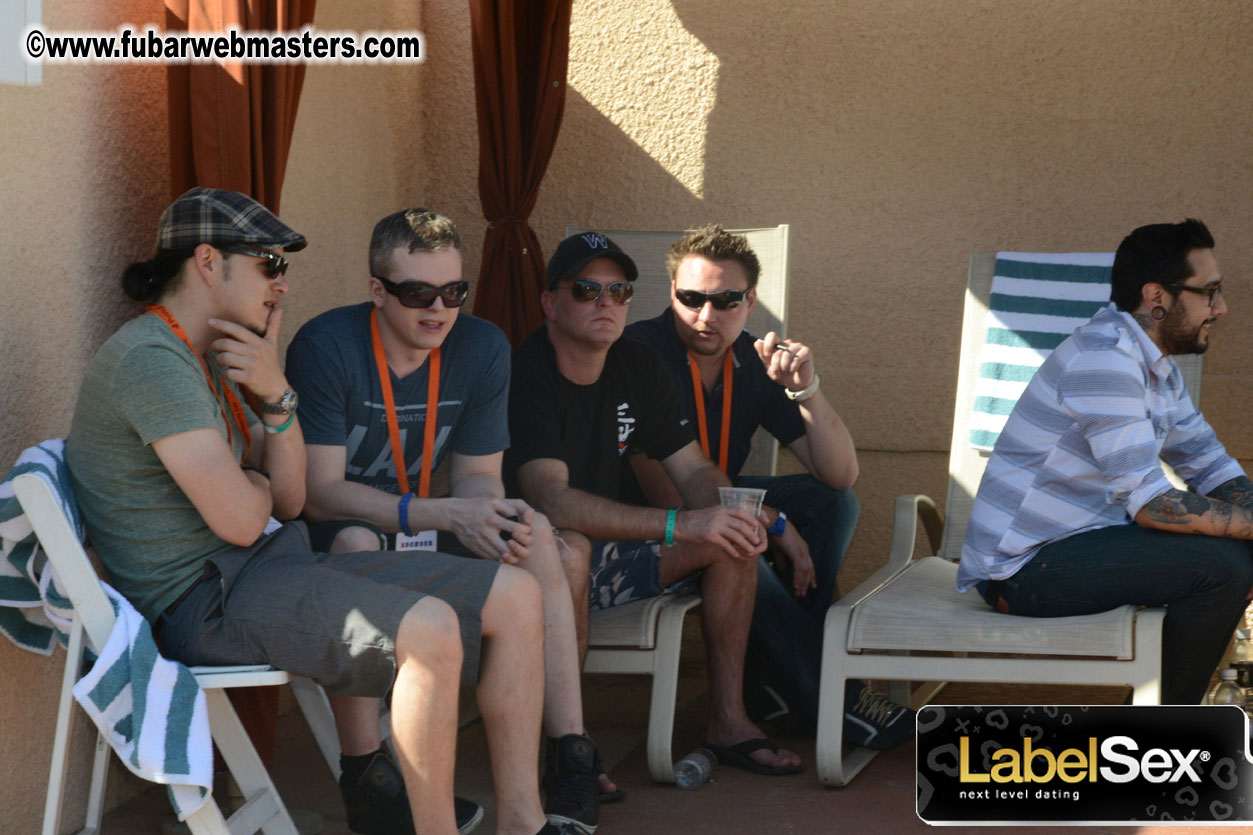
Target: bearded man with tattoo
(1075, 515)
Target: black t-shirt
(631, 408)
(756, 400)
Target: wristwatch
(286, 404)
(779, 525)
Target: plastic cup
(749, 498)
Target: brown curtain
(521, 48)
(231, 127)
(231, 124)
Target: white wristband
(805, 393)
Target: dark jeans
(1201, 580)
(785, 639)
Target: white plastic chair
(645, 636)
(263, 809)
(911, 606)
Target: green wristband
(671, 515)
(274, 430)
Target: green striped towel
(1038, 299)
(150, 709)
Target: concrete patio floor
(880, 799)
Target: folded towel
(1037, 300)
(33, 613)
(150, 709)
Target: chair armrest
(909, 509)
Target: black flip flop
(737, 756)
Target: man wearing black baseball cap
(177, 478)
(580, 399)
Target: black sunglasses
(275, 264)
(586, 290)
(1211, 291)
(726, 300)
(421, 295)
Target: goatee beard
(1176, 339)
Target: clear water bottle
(1242, 663)
(696, 769)
(1227, 692)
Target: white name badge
(420, 541)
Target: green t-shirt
(143, 385)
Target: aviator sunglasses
(421, 295)
(275, 264)
(726, 300)
(586, 290)
(1210, 291)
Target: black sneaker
(871, 720)
(377, 803)
(571, 783)
(564, 829)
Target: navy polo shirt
(756, 400)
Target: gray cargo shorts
(329, 617)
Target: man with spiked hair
(730, 383)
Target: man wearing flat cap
(185, 442)
(580, 399)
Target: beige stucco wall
(894, 137)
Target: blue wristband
(779, 525)
(403, 512)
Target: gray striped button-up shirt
(1083, 447)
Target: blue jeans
(1201, 580)
(785, 638)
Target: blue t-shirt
(330, 364)
(756, 400)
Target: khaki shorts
(329, 617)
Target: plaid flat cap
(220, 217)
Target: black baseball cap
(219, 217)
(577, 251)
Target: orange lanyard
(236, 408)
(724, 439)
(393, 425)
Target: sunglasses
(1210, 291)
(422, 295)
(275, 264)
(726, 300)
(586, 290)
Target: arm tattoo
(1238, 491)
(1178, 507)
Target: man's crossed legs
(617, 572)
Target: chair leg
(263, 809)
(99, 781)
(665, 692)
(54, 797)
(208, 820)
(834, 769)
(317, 710)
